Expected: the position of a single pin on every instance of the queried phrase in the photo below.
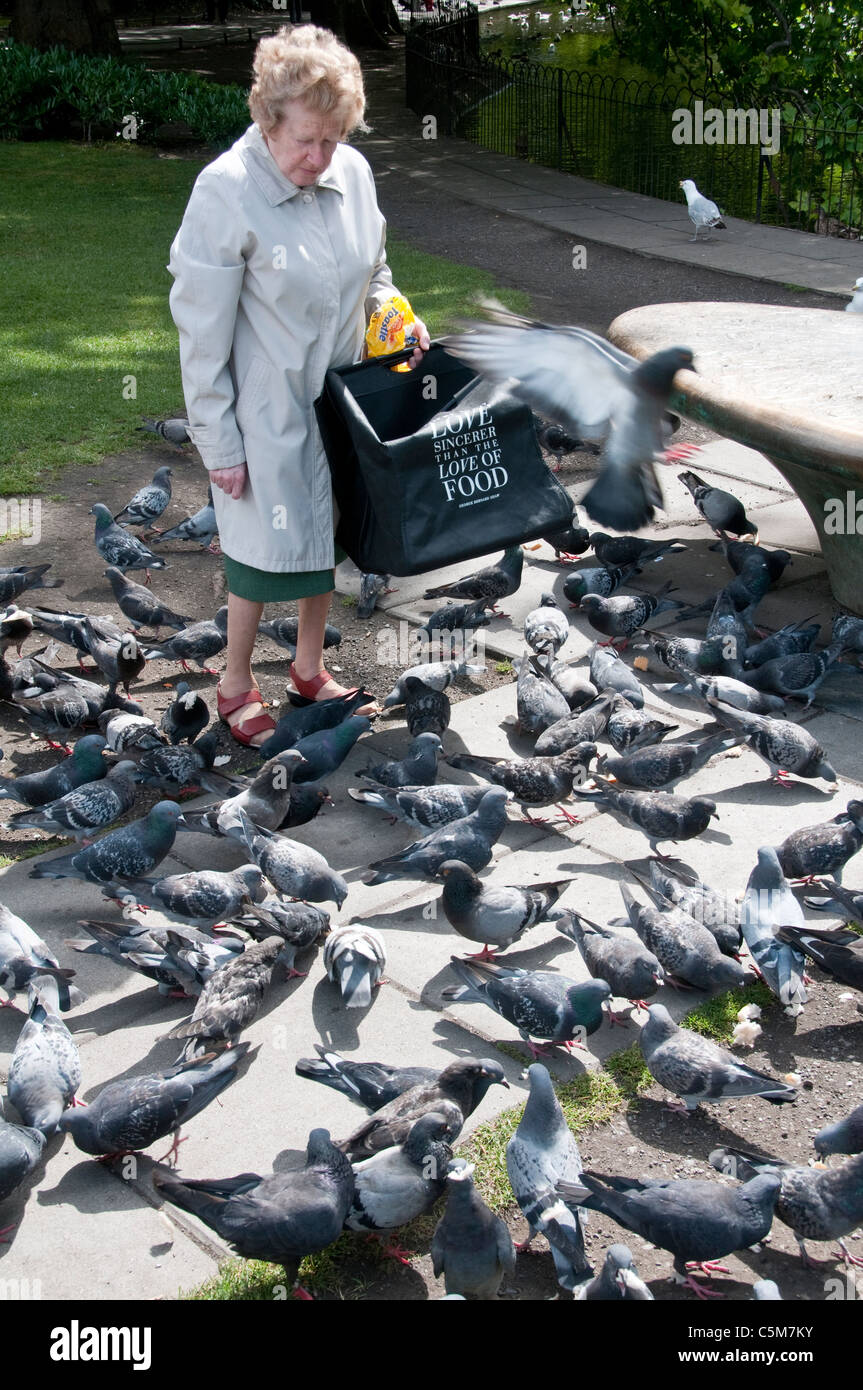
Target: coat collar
(266, 174)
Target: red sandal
(308, 690)
(244, 730)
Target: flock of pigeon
(222, 934)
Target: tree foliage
(806, 51)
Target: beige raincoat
(273, 284)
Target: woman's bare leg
(243, 618)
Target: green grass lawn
(86, 232)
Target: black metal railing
(773, 163)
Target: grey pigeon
(325, 750)
(729, 690)
(196, 643)
(785, 746)
(698, 1069)
(658, 815)
(631, 550)
(583, 727)
(293, 868)
(796, 676)
(417, 769)
(454, 1094)
(300, 925)
(150, 501)
(174, 768)
(74, 630)
(174, 430)
(721, 510)
(619, 617)
(354, 958)
(596, 391)
(538, 700)
(230, 998)
(372, 1084)
(24, 955)
(123, 731)
(91, 807)
(121, 660)
(824, 848)
(533, 782)
(541, 1154)
(546, 628)
(396, 1185)
(596, 580)
(204, 897)
(427, 711)
(201, 527)
(839, 952)
(661, 764)
(618, 1279)
(139, 605)
(840, 901)
(281, 1218)
(687, 950)
(129, 1115)
(697, 1222)
(45, 1071)
(186, 716)
(539, 1003)
(848, 630)
(266, 801)
(843, 1136)
(372, 587)
(284, 628)
(456, 617)
(818, 1204)
(694, 656)
(438, 674)
(769, 904)
(632, 971)
(495, 915)
(14, 582)
(298, 722)
(718, 912)
(120, 549)
(39, 788)
(491, 583)
(471, 1247)
(629, 728)
(786, 641)
(470, 839)
(424, 808)
(128, 852)
(20, 1153)
(179, 959)
(608, 672)
(702, 211)
(574, 686)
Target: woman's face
(304, 142)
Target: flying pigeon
(133, 1113)
(698, 1069)
(541, 1154)
(470, 839)
(281, 1218)
(596, 391)
(354, 958)
(818, 1204)
(150, 501)
(539, 1003)
(471, 1247)
(702, 212)
(454, 1094)
(492, 914)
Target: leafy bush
(55, 92)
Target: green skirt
(267, 586)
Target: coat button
(307, 197)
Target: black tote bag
(432, 466)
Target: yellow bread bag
(386, 330)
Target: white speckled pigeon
(354, 958)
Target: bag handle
(392, 359)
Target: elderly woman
(277, 266)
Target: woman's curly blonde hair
(307, 63)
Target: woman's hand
(230, 480)
(419, 330)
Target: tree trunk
(85, 26)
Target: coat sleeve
(208, 263)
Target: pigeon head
(254, 880)
(703, 803)
(221, 620)
(763, 1190)
(161, 475)
(854, 810)
(102, 515)
(656, 374)
(688, 186)
(659, 1026)
(769, 872)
